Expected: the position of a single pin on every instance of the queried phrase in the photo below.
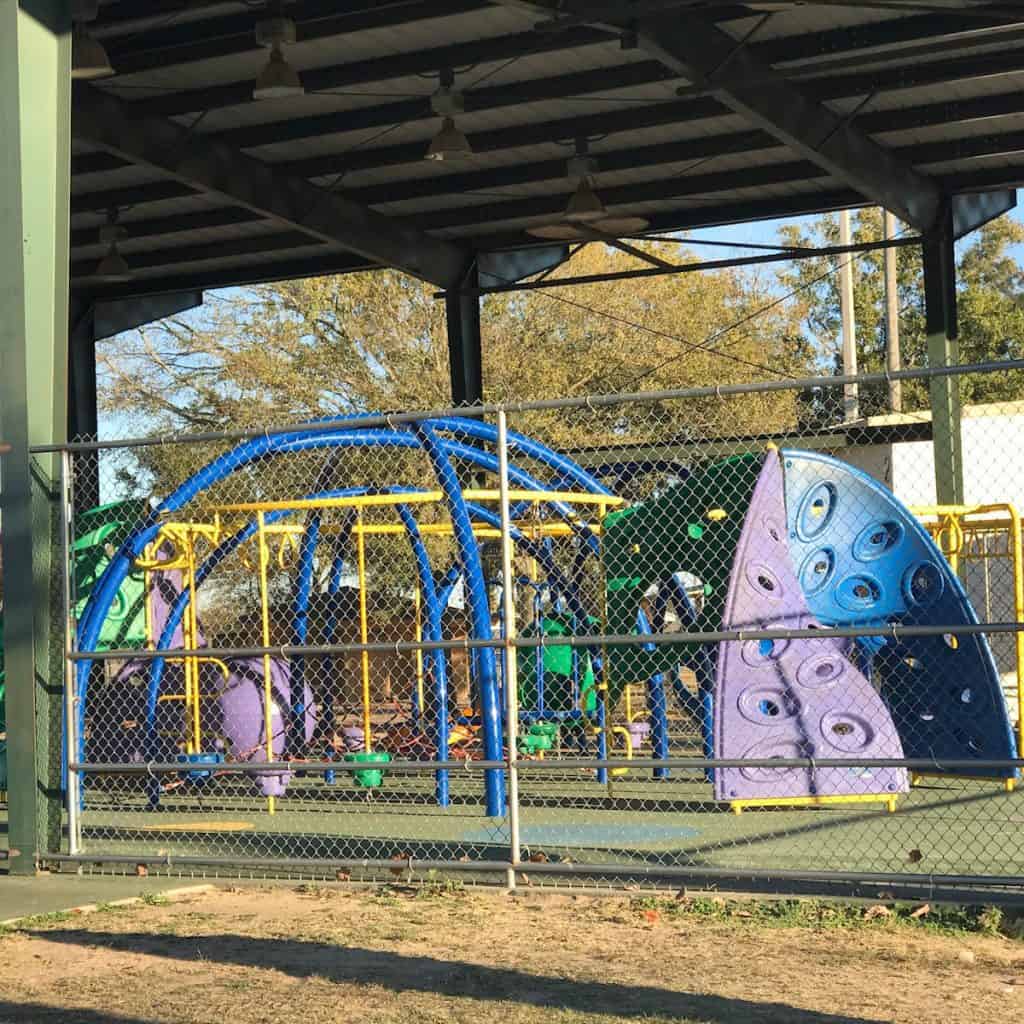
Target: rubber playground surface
(943, 826)
(400, 955)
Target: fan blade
(617, 226)
(556, 232)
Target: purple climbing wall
(164, 587)
(241, 707)
(796, 697)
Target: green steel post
(943, 350)
(35, 125)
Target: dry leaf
(652, 916)
(915, 856)
(925, 908)
(876, 911)
(405, 858)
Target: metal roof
(176, 143)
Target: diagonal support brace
(214, 167)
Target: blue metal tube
(432, 631)
(308, 439)
(657, 712)
(658, 717)
(300, 629)
(113, 576)
(482, 431)
(703, 664)
(476, 595)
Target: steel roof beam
(699, 185)
(635, 116)
(914, 29)
(967, 147)
(229, 216)
(702, 52)
(211, 167)
(332, 262)
(132, 195)
(635, 157)
(82, 269)
(382, 69)
(630, 116)
(227, 35)
(731, 211)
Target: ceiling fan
(585, 216)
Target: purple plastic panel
(790, 698)
(164, 587)
(241, 706)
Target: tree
(990, 295)
(333, 346)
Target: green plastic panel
(645, 545)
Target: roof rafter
(706, 55)
(209, 166)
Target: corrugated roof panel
(806, 18)
(947, 134)
(489, 224)
(1007, 159)
(140, 273)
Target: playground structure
(985, 548)
(780, 540)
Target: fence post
(939, 264)
(71, 784)
(511, 652)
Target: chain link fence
(766, 630)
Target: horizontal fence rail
(589, 402)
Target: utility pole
(892, 315)
(851, 400)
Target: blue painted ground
(595, 835)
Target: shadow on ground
(451, 978)
(37, 1013)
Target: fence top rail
(892, 631)
(922, 765)
(589, 401)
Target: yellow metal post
(268, 689)
(363, 629)
(192, 700)
(1018, 610)
(418, 599)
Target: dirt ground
(435, 955)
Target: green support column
(943, 350)
(35, 125)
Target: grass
(826, 914)
(439, 953)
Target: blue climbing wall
(863, 559)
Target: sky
(757, 232)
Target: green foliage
(335, 346)
(990, 296)
(828, 914)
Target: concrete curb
(129, 901)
